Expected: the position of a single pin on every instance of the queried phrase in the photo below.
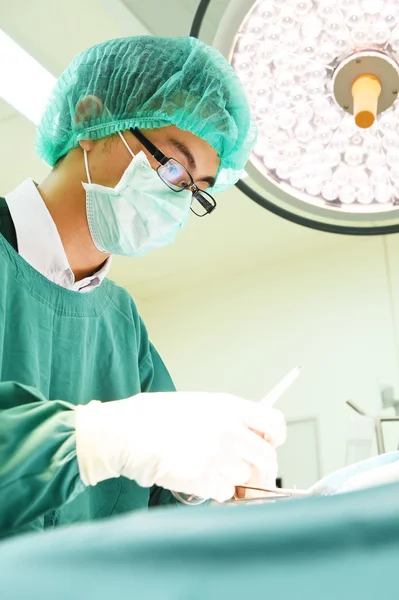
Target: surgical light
(322, 78)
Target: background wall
(330, 312)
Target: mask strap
(126, 144)
(87, 166)
(120, 135)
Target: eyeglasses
(177, 178)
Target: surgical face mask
(140, 214)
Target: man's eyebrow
(192, 165)
(209, 180)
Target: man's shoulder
(122, 299)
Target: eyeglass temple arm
(153, 150)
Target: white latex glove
(267, 475)
(195, 443)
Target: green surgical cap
(150, 82)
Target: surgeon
(139, 131)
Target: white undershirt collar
(39, 242)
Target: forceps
(286, 492)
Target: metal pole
(379, 436)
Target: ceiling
(6, 111)
(175, 17)
(238, 236)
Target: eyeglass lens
(175, 175)
(177, 178)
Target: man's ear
(87, 145)
(87, 109)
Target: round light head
(300, 62)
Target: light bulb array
(285, 54)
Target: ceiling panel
(54, 32)
(174, 17)
(6, 111)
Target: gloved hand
(265, 477)
(195, 443)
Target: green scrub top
(60, 348)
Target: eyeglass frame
(163, 159)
